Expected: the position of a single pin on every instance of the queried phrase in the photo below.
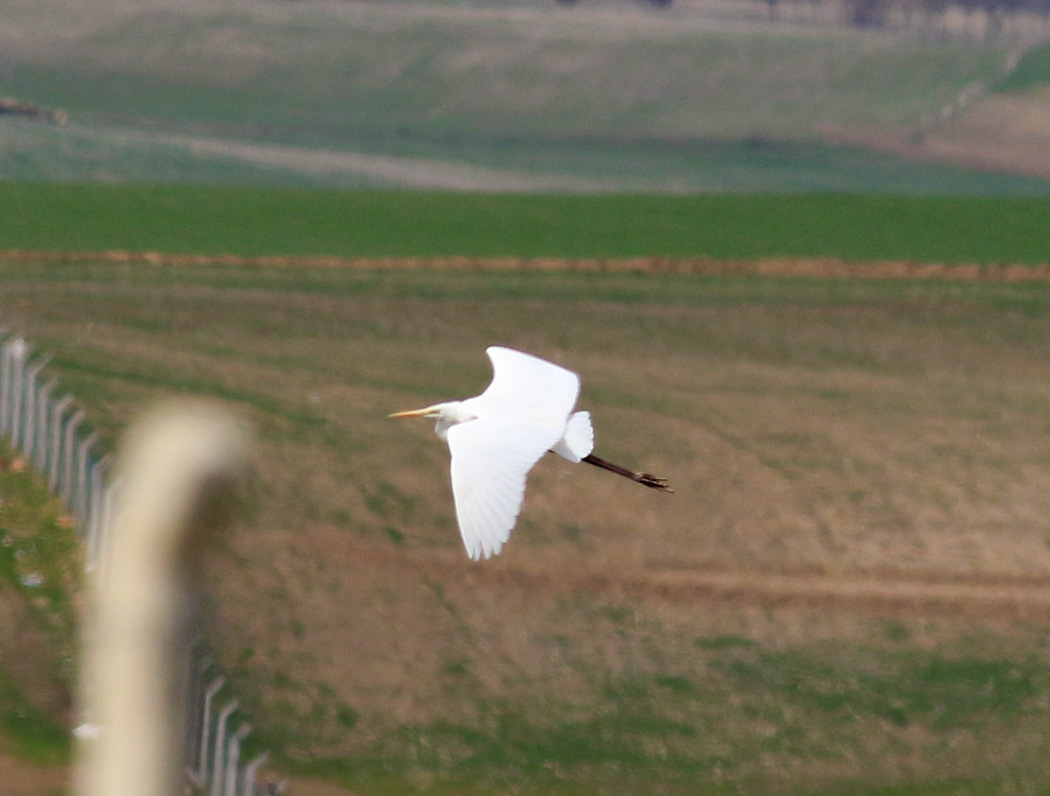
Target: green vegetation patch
(744, 706)
(261, 222)
(31, 733)
(39, 576)
(1032, 71)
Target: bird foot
(653, 481)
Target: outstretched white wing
(491, 457)
(530, 389)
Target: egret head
(446, 414)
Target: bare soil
(23, 645)
(822, 268)
(20, 778)
(996, 132)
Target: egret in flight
(495, 439)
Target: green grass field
(261, 222)
(1033, 71)
(819, 434)
(523, 95)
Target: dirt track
(996, 132)
(924, 594)
(893, 595)
(778, 267)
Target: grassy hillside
(515, 96)
(310, 71)
(252, 222)
(1032, 71)
(847, 586)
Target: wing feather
(530, 389)
(491, 458)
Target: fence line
(46, 430)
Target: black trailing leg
(645, 479)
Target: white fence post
(14, 355)
(219, 765)
(96, 511)
(209, 695)
(32, 391)
(29, 410)
(65, 486)
(198, 666)
(109, 498)
(251, 773)
(81, 502)
(233, 757)
(19, 353)
(5, 386)
(58, 411)
(43, 429)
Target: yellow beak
(413, 413)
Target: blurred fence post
(251, 773)
(180, 469)
(46, 430)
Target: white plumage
(495, 439)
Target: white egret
(495, 439)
